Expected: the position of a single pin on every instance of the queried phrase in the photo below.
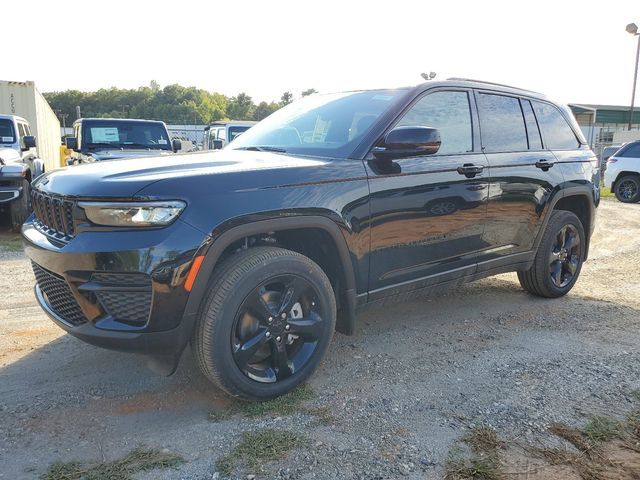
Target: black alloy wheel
(627, 189)
(558, 259)
(565, 256)
(277, 329)
(265, 324)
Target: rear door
(523, 176)
(427, 216)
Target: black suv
(256, 253)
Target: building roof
(610, 114)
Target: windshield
(324, 125)
(235, 131)
(124, 134)
(7, 134)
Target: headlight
(135, 214)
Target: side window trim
(472, 117)
(535, 119)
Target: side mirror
(29, 141)
(71, 143)
(176, 143)
(408, 142)
(217, 144)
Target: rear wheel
(266, 323)
(558, 260)
(21, 208)
(627, 189)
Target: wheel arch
(578, 200)
(621, 174)
(221, 246)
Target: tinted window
(327, 125)
(501, 123)
(556, 132)
(449, 112)
(533, 133)
(632, 151)
(6, 131)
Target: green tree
(240, 107)
(286, 98)
(265, 109)
(309, 91)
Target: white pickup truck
(19, 165)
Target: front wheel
(627, 189)
(559, 258)
(266, 323)
(21, 208)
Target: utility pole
(632, 28)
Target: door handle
(544, 164)
(470, 170)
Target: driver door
(427, 215)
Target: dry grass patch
(260, 446)
(139, 460)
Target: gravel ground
(412, 381)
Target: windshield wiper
(264, 148)
(103, 144)
(149, 147)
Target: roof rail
(459, 79)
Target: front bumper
(118, 290)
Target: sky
(573, 51)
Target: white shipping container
(24, 99)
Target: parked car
(19, 165)
(257, 253)
(606, 153)
(623, 173)
(219, 134)
(97, 139)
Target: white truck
(19, 165)
(24, 100)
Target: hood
(9, 160)
(115, 179)
(9, 155)
(126, 153)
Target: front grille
(58, 295)
(125, 296)
(54, 214)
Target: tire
(627, 189)
(241, 344)
(559, 257)
(21, 208)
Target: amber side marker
(193, 272)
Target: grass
(602, 429)
(289, 404)
(484, 462)
(260, 446)
(606, 193)
(10, 243)
(138, 460)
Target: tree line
(173, 104)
